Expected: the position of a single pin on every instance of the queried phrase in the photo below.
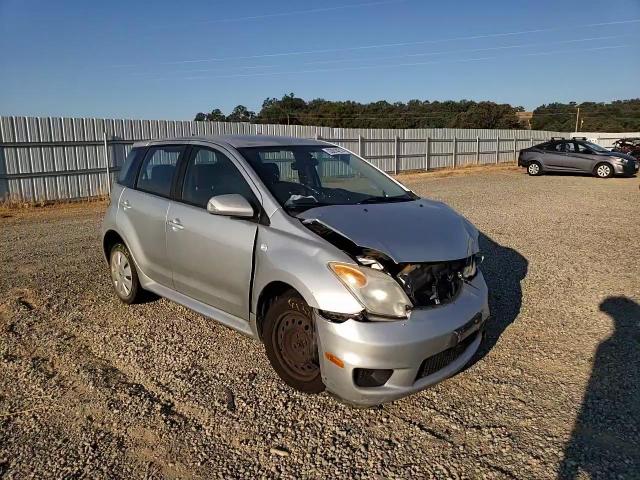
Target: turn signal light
(350, 275)
(333, 359)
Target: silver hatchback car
(352, 282)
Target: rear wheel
(534, 169)
(124, 275)
(290, 342)
(603, 170)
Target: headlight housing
(471, 268)
(378, 292)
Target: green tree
(241, 114)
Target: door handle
(175, 224)
(125, 205)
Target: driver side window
(210, 173)
(566, 147)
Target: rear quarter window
(127, 176)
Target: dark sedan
(576, 155)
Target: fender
(301, 261)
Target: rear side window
(158, 169)
(127, 176)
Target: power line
(388, 45)
(368, 67)
(297, 12)
(410, 55)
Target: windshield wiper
(399, 198)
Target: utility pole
(577, 117)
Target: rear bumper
(403, 346)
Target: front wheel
(534, 169)
(604, 170)
(289, 337)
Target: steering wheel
(310, 189)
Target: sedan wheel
(604, 170)
(534, 169)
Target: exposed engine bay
(426, 284)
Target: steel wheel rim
(121, 273)
(533, 168)
(295, 340)
(603, 171)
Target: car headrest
(270, 172)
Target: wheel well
(603, 163)
(268, 294)
(110, 239)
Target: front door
(211, 255)
(585, 159)
(142, 212)
(558, 158)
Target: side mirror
(232, 205)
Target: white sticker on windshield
(335, 151)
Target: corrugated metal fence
(44, 159)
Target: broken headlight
(471, 268)
(378, 292)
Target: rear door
(212, 255)
(142, 212)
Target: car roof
(238, 141)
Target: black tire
(122, 276)
(290, 342)
(603, 170)
(534, 168)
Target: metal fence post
(427, 153)
(396, 155)
(531, 142)
(515, 148)
(497, 150)
(455, 151)
(477, 150)
(106, 161)
(361, 146)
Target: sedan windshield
(303, 177)
(595, 147)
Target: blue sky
(170, 59)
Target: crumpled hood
(415, 231)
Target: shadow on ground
(605, 442)
(503, 269)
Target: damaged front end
(439, 283)
(426, 284)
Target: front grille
(436, 362)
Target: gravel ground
(91, 388)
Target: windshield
(302, 177)
(595, 147)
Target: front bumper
(402, 346)
(629, 168)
